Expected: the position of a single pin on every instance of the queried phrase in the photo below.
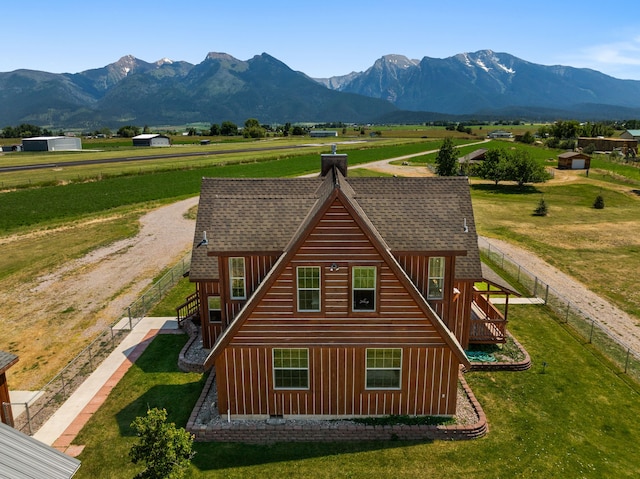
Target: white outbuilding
(151, 139)
(51, 143)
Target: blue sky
(319, 38)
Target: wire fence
(588, 328)
(31, 415)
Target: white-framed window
(308, 281)
(291, 368)
(435, 286)
(237, 278)
(215, 311)
(384, 366)
(363, 288)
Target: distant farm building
(151, 139)
(500, 134)
(624, 145)
(631, 135)
(51, 143)
(322, 133)
(474, 157)
(572, 160)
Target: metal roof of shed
(23, 457)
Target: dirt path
(620, 324)
(62, 310)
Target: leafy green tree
(297, 131)
(494, 166)
(252, 129)
(446, 160)
(228, 128)
(165, 449)
(128, 131)
(251, 123)
(527, 138)
(522, 168)
(214, 130)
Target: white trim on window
(383, 368)
(237, 278)
(308, 295)
(363, 288)
(435, 282)
(290, 368)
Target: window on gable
(308, 288)
(215, 313)
(364, 288)
(237, 278)
(436, 278)
(383, 368)
(291, 368)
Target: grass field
(63, 222)
(577, 419)
(574, 417)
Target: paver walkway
(61, 429)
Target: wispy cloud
(620, 59)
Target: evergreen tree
(447, 161)
(599, 202)
(541, 209)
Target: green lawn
(575, 417)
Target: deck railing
(487, 322)
(188, 309)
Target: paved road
(40, 166)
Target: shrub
(599, 202)
(541, 209)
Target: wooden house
(330, 297)
(573, 160)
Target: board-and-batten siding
(256, 268)
(454, 316)
(337, 377)
(337, 339)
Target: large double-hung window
(383, 368)
(291, 368)
(308, 281)
(363, 280)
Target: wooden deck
(488, 325)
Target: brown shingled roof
(263, 215)
(7, 360)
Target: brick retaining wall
(262, 432)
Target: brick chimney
(333, 159)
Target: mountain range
(479, 85)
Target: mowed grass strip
(33, 206)
(571, 417)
